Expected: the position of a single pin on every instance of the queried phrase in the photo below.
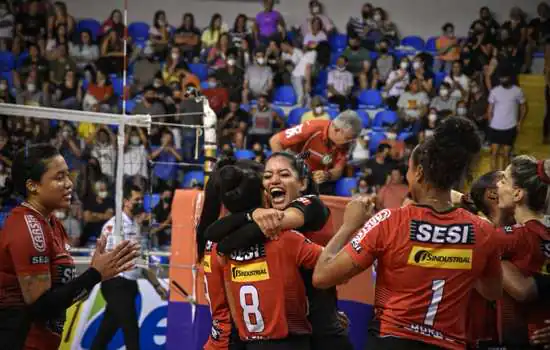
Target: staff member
(327, 143)
(37, 274)
(120, 292)
(430, 255)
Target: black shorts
(374, 342)
(14, 327)
(502, 137)
(293, 342)
(331, 342)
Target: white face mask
(432, 117)
(461, 111)
(404, 65)
(3, 87)
(363, 190)
(148, 50)
(231, 62)
(175, 56)
(102, 194)
(31, 87)
(260, 60)
(162, 22)
(475, 90)
(318, 110)
(134, 140)
(65, 134)
(377, 17)
(60, 215)
(417, 65)
(391, 135)
(315, 10)
(444, 92)
(156, 84)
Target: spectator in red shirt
(37, 274)
(394, 192)
(326, 141)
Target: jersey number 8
(250, 303)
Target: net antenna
(120, 120)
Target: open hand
(542, 336)
(120, 259)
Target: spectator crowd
(260, 75)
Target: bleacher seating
(91, 25)
(192, 178)
(414, 41)
(200, 70)
(244, 154)
(285, 96)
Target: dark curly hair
(30, 163)
(476, 202)
(533, 176)
(447, 157)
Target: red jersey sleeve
(369, 242)
(307, 252)
(28, 245)
(298, 134)
(510, 240)
(493, 267)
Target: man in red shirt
(326, 141)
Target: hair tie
(541, 173)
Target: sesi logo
(426, 232)
(291, 132)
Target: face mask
(162, 23)
(156, 84)
(475, 90)
(212, 84)
(65, 134)
(404, 65)
(102, 194)
(148, 51)
(461, 111)
(231, 62)
(417, 65)
(444, 92)
(432, 117)
(450, 33)
(175, 56)
(60, 215)
(315, 10)
(3, 87)
(137, 208)
(167, 200)
(341, 69)
(391, 135)
(383, 50)
(363, 190)
(31, 87)
(366, 14)
(318, 110)
(134, 140)
(377, 17)
(260, 60)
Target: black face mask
(137, 208)
(384, 50)
(366, 14)
(167, 200)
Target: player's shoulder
(293, 237)
(23, 215)
(309, 200)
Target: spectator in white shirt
(135, 156)
(412, 105)
(340, 83)
(397, 82)
(85, 52)
(316, 10)
(444, 103)
(301, 75)
(104, 150)
(459, 82)
(317, 33)
(290, 53)
(507, 110)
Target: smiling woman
(37, 273)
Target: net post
(210, 145)
(119, 183)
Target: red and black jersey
(265, 290)
(427, 265)
(526, 246)
(221, 316)
(31, 244)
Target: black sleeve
(244, 237)
(316, 213)
(210, 212)
(58, 299)
(543, 285)
(225, 226)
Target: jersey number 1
(250, 303)
(437, 295)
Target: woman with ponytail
(525, 249)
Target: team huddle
(453, 271)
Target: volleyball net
(105, 151)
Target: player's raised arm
(337, 265)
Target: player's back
(426, 272)
(214, 286)
(266, 292)
(526, 246)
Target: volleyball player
(37, 274)
(526, 245)
(294, 204)
(430, 255)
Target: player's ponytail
(533, 176)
